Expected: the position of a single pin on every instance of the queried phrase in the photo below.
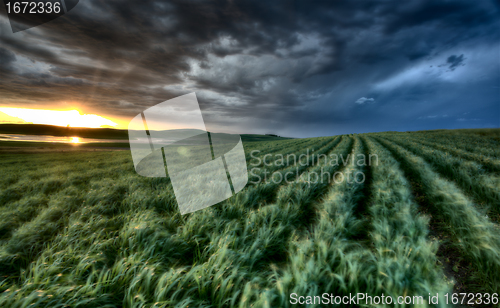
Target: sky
(293, 68)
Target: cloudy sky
(294, 68)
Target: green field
(82, 229)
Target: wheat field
(82, 229)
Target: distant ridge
(52, 130)
(95, 133)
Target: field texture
(82, 229)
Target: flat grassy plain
(82, 229)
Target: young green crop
(489, 163)
(476, 236)
(83, 229)
(470, 176)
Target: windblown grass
(83, 229)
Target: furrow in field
(321, 258)
(262, 186)
(315, 180)
(363, 206)
(477, 184)
(406, 260)
(475, 235)
(328, 260)
(298, 187)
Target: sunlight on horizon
(71, 118)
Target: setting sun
(71, 118)
(75, 140)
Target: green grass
(83, 229)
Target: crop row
(474, 234)
(490, 163)
(471, 143)
(469, 175)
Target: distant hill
(253, 137)
(96, 133)
(51, 130)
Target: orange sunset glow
(72, 118)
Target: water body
(57, 139)
(77, 140)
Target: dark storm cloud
(6, 58)
(457, 14)
(455, 61)
(287, 66)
